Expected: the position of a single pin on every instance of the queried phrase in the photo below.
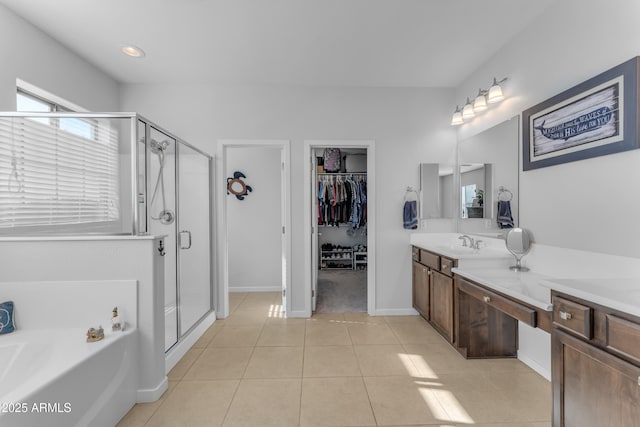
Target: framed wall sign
(595, 118)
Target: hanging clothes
(342, 200)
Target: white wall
(589, 204)
(409, 126)
(254, 224)
(30, 55)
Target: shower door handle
(182, 233)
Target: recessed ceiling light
(132, 51)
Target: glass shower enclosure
(115, 173)
(177, 203)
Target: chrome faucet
(464, 238)
(473, 244)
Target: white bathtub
(53, 377)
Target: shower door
(194, 236)
(161, 196)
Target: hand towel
(410, 215)
(505, 219)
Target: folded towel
(505, 219)
(410, 215)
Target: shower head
(158, 147)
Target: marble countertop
(621, 294)
(524, 286)
(449, 244)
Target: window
(57, 173)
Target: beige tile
(437, 358)
(142, 412)
(339, 317)
(362, 318)
(503, 365)
(183, 365)
(281, 320)
(236, 336)
(335, 402)
(414, 332)
(327, 333)
(220, 363)
(247, 317)
(372, 333)
(265, 402)
(235, 298)
(394, 320)
(403, 400)
(509, 424)
(470, 397)
(275, 362)
(529, 395)
(282, 335)
(194, 404)
(330, 361)
(208, 335)
(382, 360)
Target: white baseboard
(255, 288)
(395, 312)
(535, 366)
(152, 394)
(180, 349)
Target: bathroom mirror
(518, 242)
(489, 161)
(437, 190)
(475, 200)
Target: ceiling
(400, 43)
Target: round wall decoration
(237, 186)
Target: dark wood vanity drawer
(446, 265)
(430, 259)
(503, 304)
(623, 336)
(415, 253)
(573, 317)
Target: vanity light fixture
(495, 91)
(480, 103)
(467, 111)
(456, 119)
(132, 51)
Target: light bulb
(456, 119)
(480, 103)
(495, 93)
(467, 111)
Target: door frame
(222, 291)
(310, 225)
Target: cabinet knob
(564, 315)
(487, 299)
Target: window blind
(51, 176)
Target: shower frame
(132, 225)
(148, 125)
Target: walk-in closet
(341, 201)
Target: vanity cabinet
(433, 289)
(595, 354)
(421, 288)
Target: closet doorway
(341, 200)
(254, 243)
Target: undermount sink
(459, 251)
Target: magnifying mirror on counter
(518, 242)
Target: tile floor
(256, 368)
